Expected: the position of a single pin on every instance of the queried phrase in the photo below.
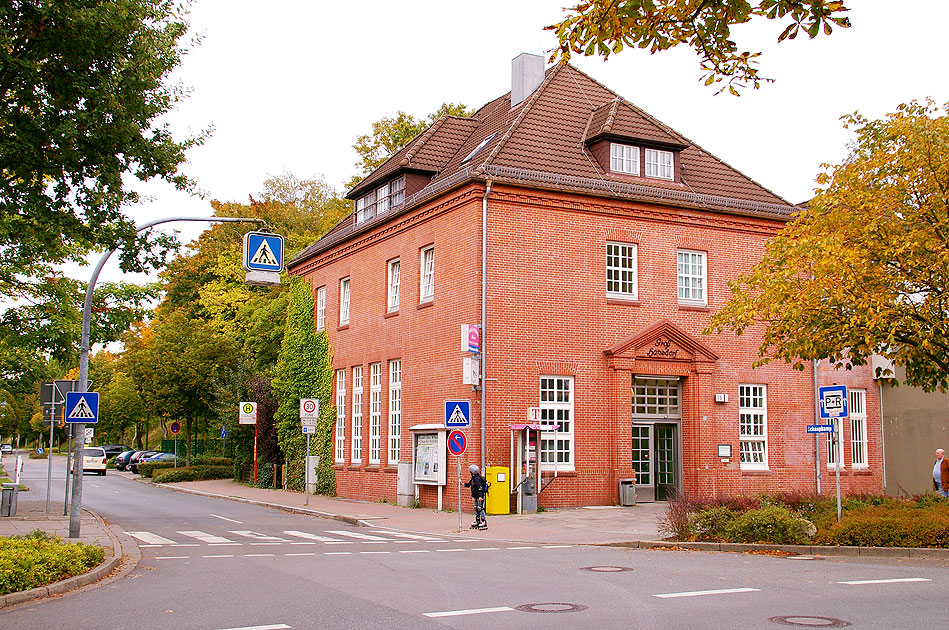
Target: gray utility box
(627, 492)
(404, 485)
(8, 499)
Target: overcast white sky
(288, 85)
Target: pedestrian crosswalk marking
(205, 537)
(407, 535)
(150, 538)
(358, 536)
(309, 536)
(257, 536)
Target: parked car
(122, 459)
(6, 448)
(93, 460)
(137, 457)
(111, 450)
(158, 457)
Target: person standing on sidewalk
(941, 473)
(479, 488)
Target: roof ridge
(520, 118)
(608, 124)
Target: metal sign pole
(837, 457)
(307, 469)
(255, 454)
(460, 524)
(49, 453)
(68, 468)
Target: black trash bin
(8, 496)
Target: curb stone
(806, 550)
(94, 575)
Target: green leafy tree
(304, 370)
(184, 369)
(83, 85)
(391, 134)
(120, 408)
(604, 27)
(864, 269)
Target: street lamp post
(75, 506)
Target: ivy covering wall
(304, 370)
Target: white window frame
(622, 260)
(858, 429)
(365, 207)
(395, 410)
(659, 164)
(557, 397)
(375, 413)
(624, 158)
(691, 287)
(396, 192)
(321, 308)
(835, 455)
(656, 397)
(344, 300)
(393, 284)
(340, 451)
(382, 199)
(427, 274)
(752, 411)
(355, 456)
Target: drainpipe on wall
(882, 435)
(814, 363)
(484, 318)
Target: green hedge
(148, 469)
(892, 526)
(194, 473)
(38, 559)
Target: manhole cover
(551, 607)
(807, 621)
(606, 569)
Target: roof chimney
(527, 73)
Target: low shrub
(194, 473)
(35, 455)
(204, 460)
(38, 558)
(148, 468)
(904, 524)
(772, 524)
(712, 523)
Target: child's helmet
(473, 469)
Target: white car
(93, 460)
(6, 448)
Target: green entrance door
(666, 462)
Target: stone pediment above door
(661, 348)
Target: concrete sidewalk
(600, 525)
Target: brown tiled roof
(541, 143)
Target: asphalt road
(210, 564)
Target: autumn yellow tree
(604, 27)
(864, 269)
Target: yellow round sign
(248, 408)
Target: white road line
(415, 551)
(223, 555)
(485, 548)
(309, 536)
(467, 540)
(338, 553)
(470, 611)
(259, 555)
(891, 581)
(264, 544)
(206, 537)
(150, 538)
(358, 536)
(557, 546)
(257, 535)
(529, 547)
(368, 552)
(309, 553)
(227, 544)
(172, 557)
(185, 545)
(405, 535)
(224, 518)
(276, 626)
(446, 550)
(719, 591)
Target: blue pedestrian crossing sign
(457, 413)
(263, 251)
(82, 407)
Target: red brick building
(593, 242)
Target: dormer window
(659, 164)
(380, 200)
(624, 159)
(478, 148)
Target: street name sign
(820, 428)
(82, 407)
(457, 413)
(833, 401)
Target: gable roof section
(542, 143)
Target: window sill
(426, 304)
(391, 313)
(756, 472)
(375, 467)
(561, 472)
(622, 301)
(862, 471)
(343, 327)
(700, 308)
(354, 466)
